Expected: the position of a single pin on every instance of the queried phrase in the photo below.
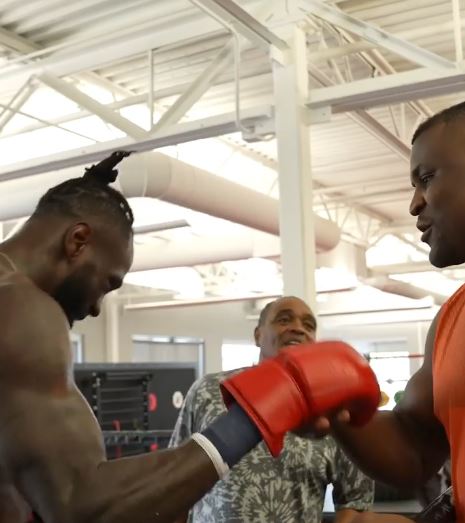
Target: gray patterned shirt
(260, 489)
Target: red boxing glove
(301, 383)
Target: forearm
(346, 515)
(390, 451)
(159, 489)
(372, 517)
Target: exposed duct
(351, 258)
(198, 251)
(401, 288)
(158, 176)
(155, 175)
(203, 250)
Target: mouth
(425, 228)
(289, 343)
(426, 234)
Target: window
(169, 349)
(237, 355)
(77, 347)
(393, 370)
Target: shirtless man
(76, 247)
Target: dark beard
(72, 297)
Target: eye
(283, 320)
(426, 177)
(309, 326)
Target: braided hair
(90, 194)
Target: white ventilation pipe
(203, 250)
(155, 175)
(386, 284)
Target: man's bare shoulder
(33, 328)
(19, 295)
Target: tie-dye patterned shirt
(260, 489)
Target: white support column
(112, 312)
(151, 88)
(457, 20)
(298, 254)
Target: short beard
(71, 295)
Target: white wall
(212, 323)
(93, 331)
(216, 323)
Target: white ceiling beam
(376, 60)
(62, 13)
(16, 43)
(18, 100)
(404, 268)
(364, 119)
(159, 95)
(230, 14)
(71, 117)
(371, 33)
(91, 56)
(170, 55)
(196, 89)
(224, 58)
(83, 100)
(179, 133)
(388, 90)
(381, 132)
(201, 301)
(394, 180)
(22, 45)
(359, 46)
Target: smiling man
(428, 424)
(292, 487)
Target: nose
(417, 203)
(297, 327)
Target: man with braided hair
(75, 248)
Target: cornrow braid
(90, 194)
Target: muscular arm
(50, 441)
(346, 515)
(405, 446)
(184, 429)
